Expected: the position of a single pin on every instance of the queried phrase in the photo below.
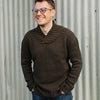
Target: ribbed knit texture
(51, 54)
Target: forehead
(43, 4)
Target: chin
(41, 24)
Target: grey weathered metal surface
(80, 16)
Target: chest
(55, 49)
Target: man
(50, 47)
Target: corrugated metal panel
(80, 16)
(15, 20)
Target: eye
(43, 9)
(35, 10)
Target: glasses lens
(36, 10)
(43, 10)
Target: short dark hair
(51, 2)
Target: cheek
(42, 15)
(49, 17)
(36, 16)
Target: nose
(38, 13)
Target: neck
(46, 28)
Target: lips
(40, 18)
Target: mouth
(40, 18)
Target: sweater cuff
(30, 87)
(65, 88)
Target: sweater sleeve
(26, 63)
(74, 56)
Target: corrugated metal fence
(80, 16)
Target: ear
(53, 12)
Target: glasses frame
(42, 10)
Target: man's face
(43, 18)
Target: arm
(74, 56)
(26, 63)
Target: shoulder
(31, 33)
(65, 31)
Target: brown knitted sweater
(51, 72)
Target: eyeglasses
(42, 10)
